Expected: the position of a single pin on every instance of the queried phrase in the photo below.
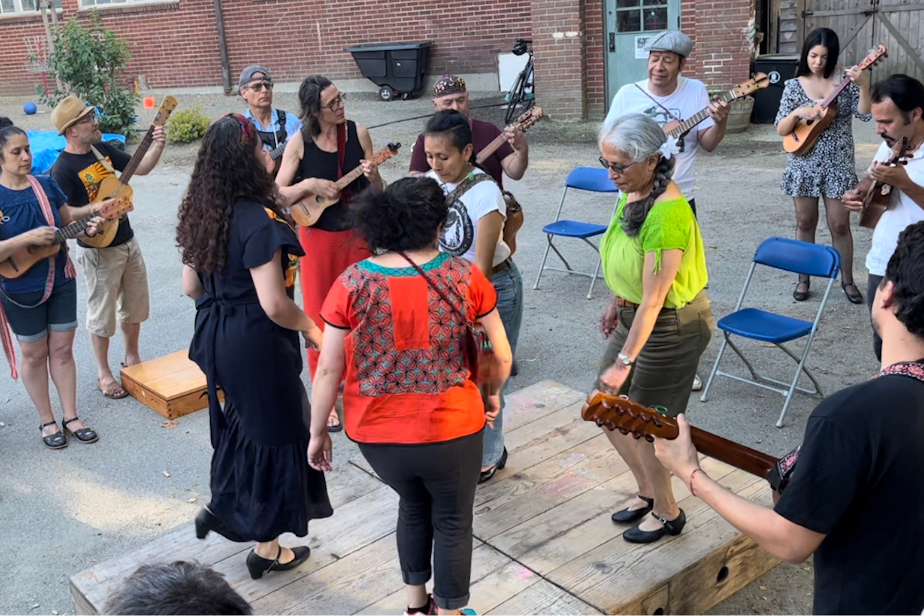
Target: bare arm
(489, 228)
(150, 159)
(192, 286)
(770, 530)
(271, 291)
(503, 356)
(710, 138)
(371, 171)
(42, 236)
(515, 164)
(655, 286)
(327, 378)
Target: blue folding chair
(792, 256)
(591, 180)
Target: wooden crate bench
(172, 385)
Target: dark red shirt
(483, 133)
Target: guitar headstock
(527, 119)
(758, 81)
(390, 149)
(163, 114)
(874, 57)
(113, 208)
(620, 413)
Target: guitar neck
(132, 165)
(348, 178)
(491, 147)
(698, 117)
(72, 230)
(747, 459)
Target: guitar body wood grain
(803, 137)
(671, 127)
(24, 259)
(876, 202)
(307, 210)
(109, 188)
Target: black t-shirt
(80, 175)
(860, 481)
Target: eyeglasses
(617, 169)
(335, 104)
(258, 86)
(88, 119)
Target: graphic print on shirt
(93, 176)
(458, 233)
(660, 116)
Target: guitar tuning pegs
(636, 434)
(599, 422)
(649, 438)
(623, 431)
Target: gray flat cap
(671, 40)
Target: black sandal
(853, 298)
(801, 296)
(84, 435)
(53, 441)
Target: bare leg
(839, 224)
(131, 332)
(665, 505)
(417, 595)
(64, 373)
(104, 373)
(270, 549)
(627, 448)
(35, 378)
(806, 222)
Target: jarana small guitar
(617, 413)
(24, 259)
(112, 187)
(307, 210)
(806, 132)
(274, 158)
(879, 194)
(676, 129)
(523, 123)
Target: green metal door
(629, 24)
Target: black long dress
(261, 483)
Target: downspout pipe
(223, 47)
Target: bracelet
(692, 475)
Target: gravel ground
(66, 511)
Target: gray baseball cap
(671, 40)
(247, 75)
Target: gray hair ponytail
(637, 137)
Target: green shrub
(187, 125)
(89, 61)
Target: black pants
(874, 282)
(436, 483)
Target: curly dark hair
(227, 169)
(408, 215)
(309, 98)
(906, 271)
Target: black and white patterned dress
(828, 169)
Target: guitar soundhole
(809, 122)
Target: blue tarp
(47, 144)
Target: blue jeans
(509, 287)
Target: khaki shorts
(117, 280)
(663, 372)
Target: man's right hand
(43, 236)
(853, 198)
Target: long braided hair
(638, 137)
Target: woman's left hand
(858, 76)
(612, 380)
(320, 454)
(313, 338)
(371, 171)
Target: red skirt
(327, 254)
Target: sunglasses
(258, 86)
(617, 169)
(335, 104)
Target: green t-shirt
(670, 225)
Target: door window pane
(656, 19)
(7, 6)
(629, 21)
(621, 4)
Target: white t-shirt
(460, 234)
(687, 100)
(901, 213)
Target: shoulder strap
(462, 187)
(912, 369)
(341, 148)
(102, 160)
(439, 291)
(666, 110)
(281, 118)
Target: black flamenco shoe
(206, 521)
(669, 527)
(257, 565)
(627, 515)
(488, 474)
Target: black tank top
(316, 163)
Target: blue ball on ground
(29, 108)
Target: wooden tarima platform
(544, 541)
(172, 385)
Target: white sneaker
(697, 383)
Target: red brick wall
(177, 44)
(559, 59)
(721, 32)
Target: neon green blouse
(670, 225)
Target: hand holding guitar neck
(522, 124)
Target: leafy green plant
(89, 61)
(187, 125)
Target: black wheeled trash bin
(399, 69)
(779, 68)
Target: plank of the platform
(569, 530)
(523, 407)
(545, 598)
(346, 484)
(619, 577)
(513, 499)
